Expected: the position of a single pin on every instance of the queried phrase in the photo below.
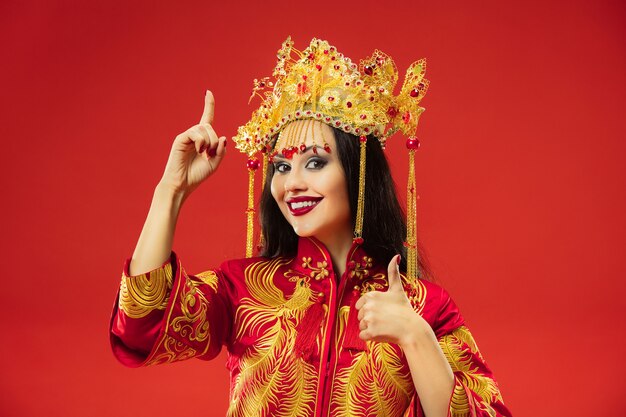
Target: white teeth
(301, 204)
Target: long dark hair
(384, 226)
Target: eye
(316, 163)
(281, 167)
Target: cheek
(277, 189)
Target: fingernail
(201, 149)
(225, 142)
(212, 152)
(398, 259)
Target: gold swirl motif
(193, 324)
(175, 350)
(141, 294)
(461, 350)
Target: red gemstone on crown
(392, 112)
(412, 143)
(363, 138)
(319, 67)
(414, 92)
(368, 70)
(337, 123)
(331, 98)
(349, 104)
(252, 163)
(363, 116)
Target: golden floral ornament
(319, 272)
(320, 83)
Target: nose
(295, 181)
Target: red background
(521, 175)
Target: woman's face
(310, 188)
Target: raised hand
(196, 153)
(388, 316)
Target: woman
(323, 322)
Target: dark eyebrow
(308, 148)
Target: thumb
(393, 274)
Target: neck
(338, 246)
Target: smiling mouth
(298, 208)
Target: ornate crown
(320, 83)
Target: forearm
(432, 376)
(155, 242)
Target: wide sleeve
(166, 315)
(476, 392)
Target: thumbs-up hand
(196, 153)
(388, 316)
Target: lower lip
(302, 210)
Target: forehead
(307, 132)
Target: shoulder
(440, 310)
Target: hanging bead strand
(253, 165)
(411, 217)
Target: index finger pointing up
(209, 108)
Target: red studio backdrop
(521, 179)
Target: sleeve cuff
(141, 294)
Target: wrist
(418, 334)
(165, 194)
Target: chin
(303, 231)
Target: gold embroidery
(416, 292)
(459, 347)
(319, 272)
(192, 324)
(361, 269)
(459, 403)
(377, 382)
(141, 294)
(209, 278)
(271, 377)
(174, 351)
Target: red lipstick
(301, 205)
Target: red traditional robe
(291, 331)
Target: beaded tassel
(253, 165)
(263, 178)
(411, 217)
(358, 227)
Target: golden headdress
(320, 83)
